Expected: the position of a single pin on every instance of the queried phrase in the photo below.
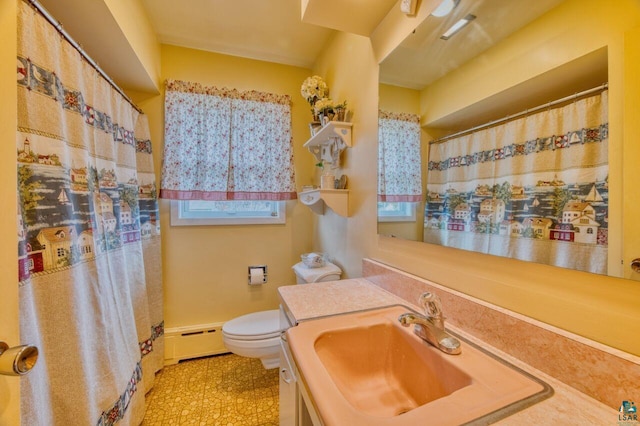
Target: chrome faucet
(430, 326)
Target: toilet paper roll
(256, 276)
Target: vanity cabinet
(294, 399)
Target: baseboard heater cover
(193, 342)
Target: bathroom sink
(365, 368)
(382, 373)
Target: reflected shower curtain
(534, 189)
(88, 238)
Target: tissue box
(313, 260)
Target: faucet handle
(432, 306)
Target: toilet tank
(328, 272)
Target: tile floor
(226, 390)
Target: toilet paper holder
(257, 274)
(17, 360)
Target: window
(198, 212)
(396, 212)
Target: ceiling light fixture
(457, 27)
(445, 8)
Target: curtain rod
(600, 88)
(58, 26)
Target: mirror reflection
(416, 84)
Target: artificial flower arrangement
(327, 108)
(313, 89)
(316, 92)
(324, 106)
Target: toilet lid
(258, 325)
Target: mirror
(412, 76)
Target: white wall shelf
(329, 142)
(336, 199)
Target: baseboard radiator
(196, 341)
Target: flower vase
(340, 113)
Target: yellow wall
(205, 267)
(350, 69)
(9, 333)
(398, 99)
(135, 24)
(601, 308)
(630, 151)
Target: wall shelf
(336, 199)
(329, 142)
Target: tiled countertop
(308, 301)
(567, 405)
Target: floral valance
(248, 95)
(224, 144)
(399, 116)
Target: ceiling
(265, 30)
(291, 32)
(423, 57)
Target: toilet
(257, 335)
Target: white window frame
(407, 212)
(182, 216)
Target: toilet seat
(256, 326)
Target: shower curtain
(535, 188)
(88, 238)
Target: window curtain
(223, 144)
(535, 188)
(399, 158)
(90, 284)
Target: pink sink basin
(365, 368)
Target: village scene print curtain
(535, 188)
(90, 269)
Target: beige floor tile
(225, 390)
